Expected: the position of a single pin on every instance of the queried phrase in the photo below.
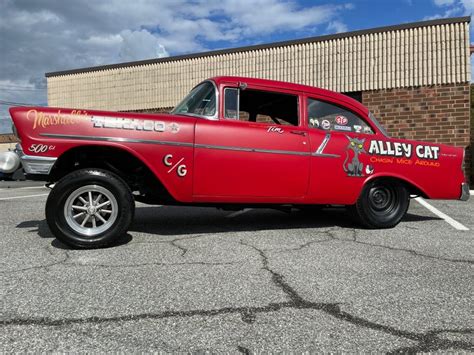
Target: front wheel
(382, 204)
(90, 208)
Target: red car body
(232, 142)
(222, 161)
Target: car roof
(294, 87)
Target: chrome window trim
(378, 125)
(215, 117)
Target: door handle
(300, 133)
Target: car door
(248, 156)
(339, 139)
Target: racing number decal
(181, 169)
(41, 148)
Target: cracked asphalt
(201, 279)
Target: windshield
(378, 125)
(201, 101)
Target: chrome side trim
(253, 150)
(319, 151)
(181, 144)
(325, 155)
(115, 139)
(323, 144)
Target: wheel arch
(412, 187)
(121, 160)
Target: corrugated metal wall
(421, 56)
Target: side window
(261, 106)
(231, 103)
(324, 115)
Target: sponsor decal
(181, 169)
(342, 128)
(386, 152)
(395, 149)
(400, 153)
(341, 120)
(325, 124)
(433, 164)
(275, 129)
(314, 122)
(41, 148)
(357, 128)
(127, 123)
(174, 127)
(352, 164)
(367, 129)
(45, 119)
(398, 149)
(427, 152)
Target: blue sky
(38, 36)
(363, 14)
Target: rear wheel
(382, 204)
(90, 208)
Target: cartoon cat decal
(354, 167)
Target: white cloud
(140, 45)
(454, 7)
(444, 2)
(468, 6)
(336, 27)
(50, 35)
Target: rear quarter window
(327, 116)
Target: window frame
(336, 103)
(214, 117)
(299, 106)
(238, 103)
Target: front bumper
(32, 164)
(465, 193)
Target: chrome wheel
(91, 210)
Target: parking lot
(201, 279)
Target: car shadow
(171, 220)
(193, 220)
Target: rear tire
(90, 208)
(382, 204)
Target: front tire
(382, 204)
(90, 208)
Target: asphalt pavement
(204, 280)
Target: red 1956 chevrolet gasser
(232, 142)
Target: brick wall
(439, 114)
(8, 138)
(472, 137)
